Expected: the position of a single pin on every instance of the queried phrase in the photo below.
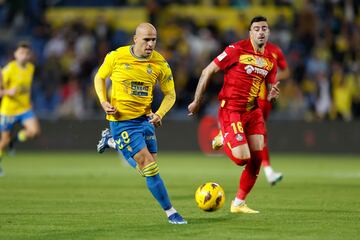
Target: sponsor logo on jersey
(256, 61)
(152, 137)
(250, 69)
(138, 89)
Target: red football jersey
(244, 72)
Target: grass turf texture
(93, 196)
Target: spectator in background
(311, 33)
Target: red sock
(266, 157)
(249, 175)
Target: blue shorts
(133, 135)
(7, 122)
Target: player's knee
(149, 170)
(241, 159)
(142, 161)
(257, 147)
(241, 154)
(256, 142)
(4, 141)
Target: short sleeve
(227, 58)
(6, 72)
(280, 61)
(166, 80)
(106, 68)
(271, 76)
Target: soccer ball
(210, 197)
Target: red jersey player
(246, 65)
(271, 176)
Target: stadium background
(319, 108)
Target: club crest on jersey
(239, 137)
(260, 62)
(127, 66)
(129, 149)
(149, 69)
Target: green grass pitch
(93, 196)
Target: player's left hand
(193, 108)
(274, 92)
(155, 119)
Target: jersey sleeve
(106, 68)
(6, 73)
(166, 83)
(166, 80)
(227, 58)
(271, 77)
(280, 61)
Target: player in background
(134, 71)
(16, 107)
(266, 106)
(246, 65)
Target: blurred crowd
(320, 42)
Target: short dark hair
(23, 44)
(258, 19)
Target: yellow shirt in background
(133, 80)
(15, 76)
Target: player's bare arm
(204, 80)
(100, 89)
(283, 74)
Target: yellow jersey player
(134, 70)
(16, 106)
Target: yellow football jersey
(133, 80)
(20, 78)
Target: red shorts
(265, 107)
(235, 126)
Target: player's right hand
(193, 108)
(108, 108)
